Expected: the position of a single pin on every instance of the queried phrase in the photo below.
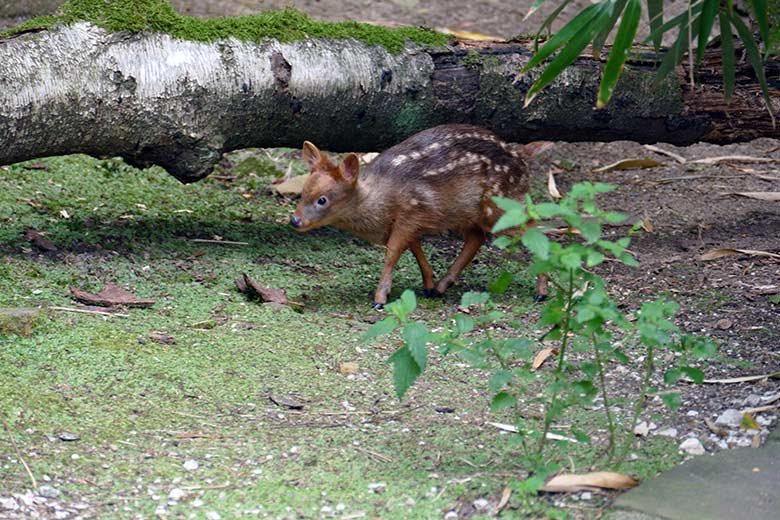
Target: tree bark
(179, 104)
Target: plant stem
(603, 384)
(649, 368)
(548, 417)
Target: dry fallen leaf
(165, 339)
(542, 356)
(35, 166)
(714, 428)
(268, 294)
(468, 35)
(34, 236)
(552, 188)
(292, 187)
(647, 225)
(285, 402)
(720, 253)
(110, 296)
(350, 367)
(505, 496)
(771, 196)
(629, 164)
(550, 435)
(679, 158)
(597, 479)
(734, 158)
(743, 379)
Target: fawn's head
(326, 194)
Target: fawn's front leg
(396, 245)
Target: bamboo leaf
(572, 50)
(760, 12)
(727, 50)
(655, 14)
(707, 19)
(536, 5)
(696, 8)
(566, 33)
(617, 56)
(601, 37)
(755, 60)
(548, 22)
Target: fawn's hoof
(432, 293)
(378, 306)
(540, 298)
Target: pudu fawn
(438, 180)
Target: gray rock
(48, 492)
(68, 436)
(668, 432)
(191, 465)
(642, 429)
(481, 504)
(213, 515)
(730, 417)
(752, 400)
(9, 504)
(176, 494)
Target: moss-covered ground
(285, 26)
(141, 408)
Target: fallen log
(154, 99)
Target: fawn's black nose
(295, 221)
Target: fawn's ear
(350, 168)
(311, 154)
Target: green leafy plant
(594, 24)
(584, 329)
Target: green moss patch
(285, 26)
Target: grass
(136, 404)
(285, 26)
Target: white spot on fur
(429, 173)
(415, 155)
(489, 211)
(431, 147)
(398, 160)
(414, 202)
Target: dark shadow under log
(152, 99)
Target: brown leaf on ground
(348, 368)
(742, 379)
(734, 158)
(714, 428)
(291, 187)
(647, 225)
(597, 479)
(552, 188)
(165, 339)
(111, 296)
(771, 196)
(720, 253)
(469, 35)
(629, 164)
(36, 166)
(254, 290)
(542, 356)
(505, 496)
(35, 237)
(285, 402)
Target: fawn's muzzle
(295, 221)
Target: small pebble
(692, 446)
(668, 432)
(191, 465)
(481, 504)
(48, 492)
(68, 437)
(642, 429)
(9, 503)
(586, 495)
(213, 515)
(752, 400)
(730, 417)
(450, 514)
(176, 494)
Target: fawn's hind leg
(474, 240)
(425, 268)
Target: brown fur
(438, 180)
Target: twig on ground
(88, 311)
(679, 158)
(19, 453)
(373, 454)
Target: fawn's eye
(322, 201)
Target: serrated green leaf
(549, 210)
(571, 261)
(613, 217)
(500, 284)
(536, 242)
(673, 401)
(380, 328)
(708, 12)
(464, 324)
(508, 204)
(502, 400)
(585, 314)
(473, 298)
(502, 242)
(619, 52)
(755, 61)
(727, 53)
(655, 15)
(696, 375)
(499, 379)
(672, 375)
(510, 219)
(574, 47)
(415, 336)
(405, 371)
(590, 230)
(594, 258)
